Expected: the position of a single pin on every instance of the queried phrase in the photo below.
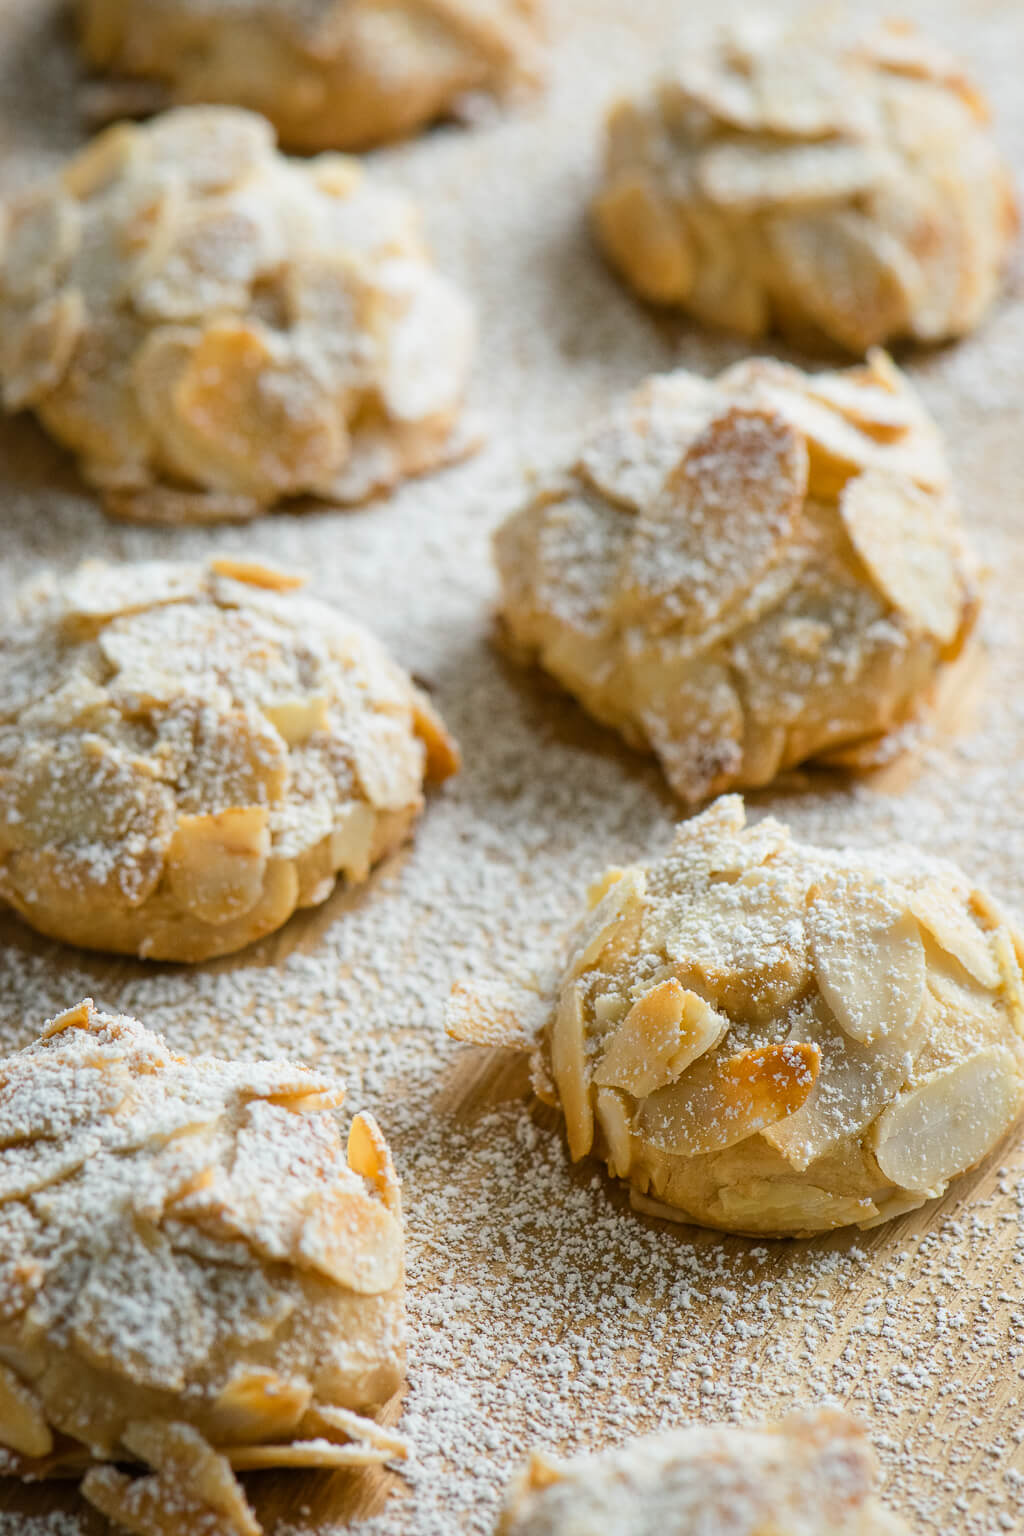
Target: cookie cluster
(843, 191)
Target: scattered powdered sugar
(542, 1311)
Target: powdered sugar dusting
(542, 1310)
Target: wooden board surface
(541, 1308)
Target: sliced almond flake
(430, 345)
(722, 1100)
(855, 1083)
(305, 1453)
(611, 1109)
(950, 1121)
(495, 1014)
(940, 911)
(297, 719)
(868, 956)
(258, 1402)
(631, 452)
(357, 1427)
(254, 573)
(664, 1031)
(43, 234)
(906, 545)
(568, 1068)
(353, 1240)
(37, 354)
(721, 520)
(871, 408)
(96, 591)
(744, 176)
(23, 1426)
(216, 862)
(604, 921)
(645, 237)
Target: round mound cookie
(329, 74)
(747, 573)
(843, 192)
(776, 1039)
(814, 1474)
(189, 752)
(212, 328)
(195, 1276)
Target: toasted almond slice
(370, 1156)
(899, 534)
(305, 1453)
(215, 863)
(645, 238)
(664, 1031)
(868, 956)
(23, 1426)
(97, 592)
(612, 1113)
(352, 839)
(744, 176)
(855, 1083)
(78, 1017)
(43, 234)
(721, 520)
(188, 1469)
(38, 353)
(868, 406)
(950, 1121)
(102, 161)
(429, 347)
(939, 910)
(253, 573)
(250, 416)
(353, 1240)
(297, 719)
(496, 1015)
(218, 145)
(721, 1101)
(605, 920)
(256, 1403)
(568, 1068)
(632, 450)
(357, 1427)
(443, 757)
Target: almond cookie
(329, 74)
(843, 192)
(196, 1277)
(212, 328)
(190, 752)
(775, 1039)
(812, 1475)
(743, 574)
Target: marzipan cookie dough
(746, 573)
(841, 191)
(189, 752)
(329, 74)
(195, 1276)
(812, 1475)
(212, 328)
(771, 1038)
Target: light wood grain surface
(541, 1308)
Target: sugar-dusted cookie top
(195, 1274)
(745, 573)
(212, 328)
(844, 191)
(329, 74)
(814, 1474)
(189, 752)
(768, 1037)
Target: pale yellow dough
(212, 328)
(190, 752)
(771, 1038)
(194, 1275)
(745, 573)
(329, 74)
(812, 1475)
(843, 191)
